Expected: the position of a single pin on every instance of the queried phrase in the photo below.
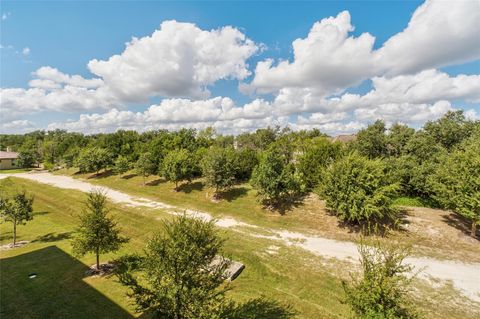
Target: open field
(435, 233)
(309, 283)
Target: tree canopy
(97, 233)
(177, 277)
(456, 182)
(357, 190)
(218, 168)
(275, 179)
(178, 165)
(17, 210)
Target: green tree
(317, 155)
(97, 233)
(122, 165)
(17, 210)
(178, 166)
(218, 168)
(245, 161)
(145, 166)
(456, 183)
(358, 190)
(94, 159)
(372, 141)
(27, 159)
(397, 139)
(275, 179)
(413, 169)
(382, 292)
(449, 130)
(181, 275)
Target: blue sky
(67, 35)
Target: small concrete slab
(234, 268)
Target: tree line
(359, 180)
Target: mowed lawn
(310, 284)
(434, 233)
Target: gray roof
(8, 155)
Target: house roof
(8, 155)
(344, 138)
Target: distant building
(344, 138)
(8, 160)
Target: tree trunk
(98, 259)
(176, 186)
(14, 232)
(143, 180)
(473, 233)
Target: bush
(358, 190)
(382, 291)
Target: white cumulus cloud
(178, 60)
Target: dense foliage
(179, 165)
(177, 276)
(181, 274)
(456, 182)
(275, 179)
(358, 191)
(218, 167)
(382, 291)
(286, 163)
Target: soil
(11, 246)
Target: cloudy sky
(237, 66)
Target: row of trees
(181, 272)
(359, 180)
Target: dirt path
(464, 276)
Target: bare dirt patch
(12, 246)
(105, 269)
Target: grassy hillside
(312, 285)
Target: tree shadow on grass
(287, 204)
(380, 227)
(190, 187)
(104, 174)
(260, 308)
(129, 176)
(155, 182)
(51, 237)
(461, 223)
(4, 235)
(233, 193)
(57, 291)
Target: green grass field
(310, 284)
(12, 171)
(308, 216)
